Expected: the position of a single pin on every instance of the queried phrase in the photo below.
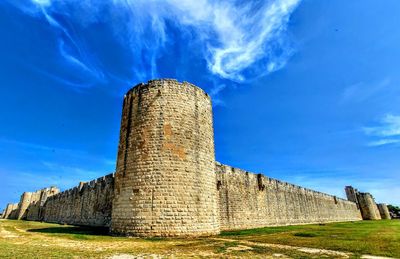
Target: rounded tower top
(162, 81)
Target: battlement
(159, 83)
(249, 200)
(281, 184)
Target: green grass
(362, 237)
(24, 239)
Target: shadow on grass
(96, 231)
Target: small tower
(351, 194)
(384, 211)
(24, 204)
(368, 207)
(8, 211)
(165, 183)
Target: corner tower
(165, 183)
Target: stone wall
(165, 181)
(89, 204)
(248, 200)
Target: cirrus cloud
(239, 40)
(387, 132)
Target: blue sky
(304, 91)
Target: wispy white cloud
(239, 40)
(363, 91)
(389, 127)
(383, 142)
(386, 133)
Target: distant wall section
(248, 200)
(367, 205)
(35, 209)
(11, 211)
(88, 204)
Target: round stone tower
(384, 211)
(368, 207)
(165, 183)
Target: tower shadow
(73, 230)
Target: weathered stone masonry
(165, 179)
(366, 203)
(167, 182)
(248, 200)
(88, 204)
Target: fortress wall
(89, 204)
(249, 200)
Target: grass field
(24, 239)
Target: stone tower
(165, 183)
(7, 211)
(368, 207)
(384, 211)
(351, 193)
(24, 204)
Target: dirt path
(7, 234)
(308, 250)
